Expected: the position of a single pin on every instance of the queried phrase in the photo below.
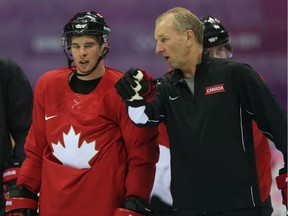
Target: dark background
(31, 30)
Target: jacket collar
(177, 75)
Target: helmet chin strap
(104, 53)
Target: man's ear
(105, 45)
(190, 37)
(105, 48)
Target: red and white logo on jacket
(214, 89)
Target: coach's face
(171, 43)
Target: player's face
(85, 51)
(170, 43)
(219, 52)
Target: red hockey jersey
(84, 154)
(263, 162)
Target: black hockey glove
(282, 181)
(136, 87)
(134, 206)
(10, 174)
(21, 202)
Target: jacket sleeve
(258, 100)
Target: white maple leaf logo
(71, 154)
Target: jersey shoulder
(114, 74)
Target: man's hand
(136, 87)
(282, 181)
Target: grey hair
(184, 20)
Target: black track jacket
(212, 151)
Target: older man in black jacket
(208, 105)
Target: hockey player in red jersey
(84, 155)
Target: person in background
(84, 155)
(16, 101)
(217, 44)
(208, 105)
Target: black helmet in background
(215, 34)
